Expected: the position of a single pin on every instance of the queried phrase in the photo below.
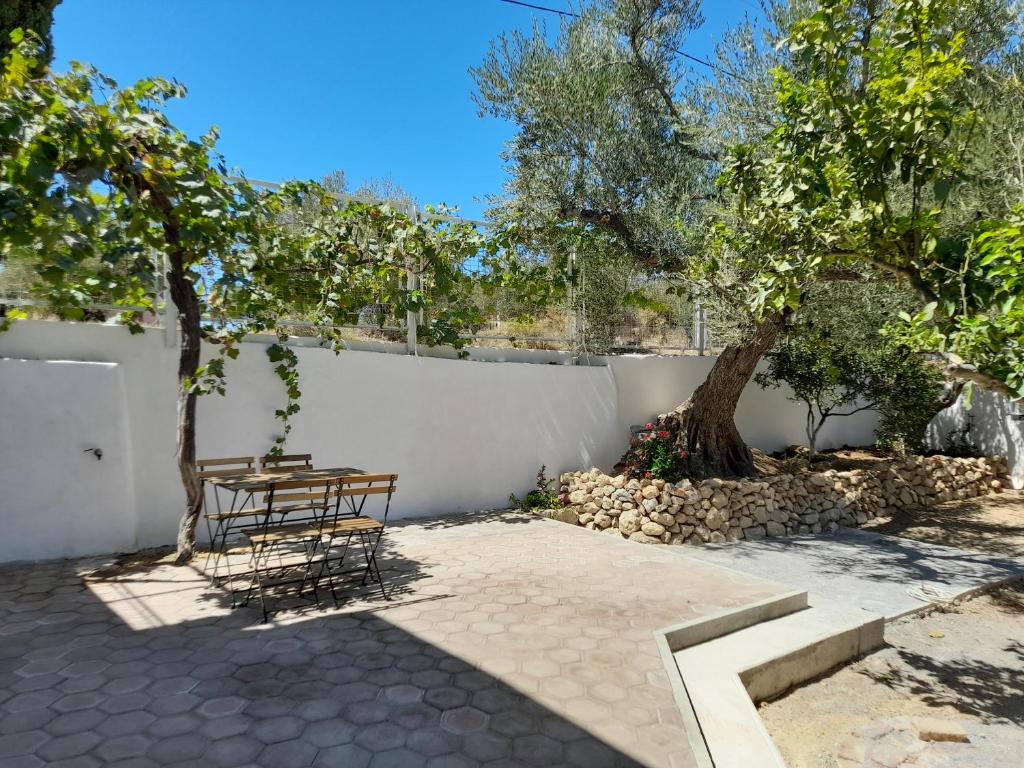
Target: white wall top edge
(104, 363)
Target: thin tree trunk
(184, 296)
(812, 433)
(705, 424)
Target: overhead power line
(684, 54)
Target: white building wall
(461, 434)
(58, 496)
(648, 385)
(995, 429)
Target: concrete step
(725, 675)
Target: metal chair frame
(219, 523)
(270, 536)
(352, 522)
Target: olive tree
(613, 140)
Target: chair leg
(325, 566)
(372, 569)
(209, 552)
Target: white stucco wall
(648, 385)
(993, 429)
(461, 434)
(58, 498)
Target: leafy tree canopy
(600, 141)
(105, 199)
(836, 362)
(28, 15)
(874, 144)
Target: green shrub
(541, 497)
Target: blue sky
(299, 89)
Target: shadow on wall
(993, 430)
(595, 404)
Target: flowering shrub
(653, 454)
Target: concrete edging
(680, 636)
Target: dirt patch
(993, 524)
(963, 662)
(794, 461)
(129, 562)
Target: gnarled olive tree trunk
(704, 426)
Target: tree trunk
(184, 296)
(812, 434)
(705, 424)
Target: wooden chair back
(365, 485)
(226, 467)
(288, 463)
(290, 492)
(353, 490)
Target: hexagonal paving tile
(329, 733)
(275, 729)
(447, 697)
(177, 748)
(222, 706)
(348, 755)
(24, 743)
(463, 720)
(500, 638)
(288, 754)
(380, 737)
(400, 694)
(233, 751)
(124, 747)
(432, 742)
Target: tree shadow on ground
(957, 676)
(399, 575)
(970, 685)
(884, 559)
(992, 524)
(339, 688)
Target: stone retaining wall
(658, 512)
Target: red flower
(648, 425)
(683, 454)
(647, 474)
(663, 435)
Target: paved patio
(888, 575)
(509, 641)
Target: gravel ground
(962, 663)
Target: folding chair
(290, 463)
(218, 520)
(349, 522)
(297, 545)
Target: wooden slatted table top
(257, 481)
